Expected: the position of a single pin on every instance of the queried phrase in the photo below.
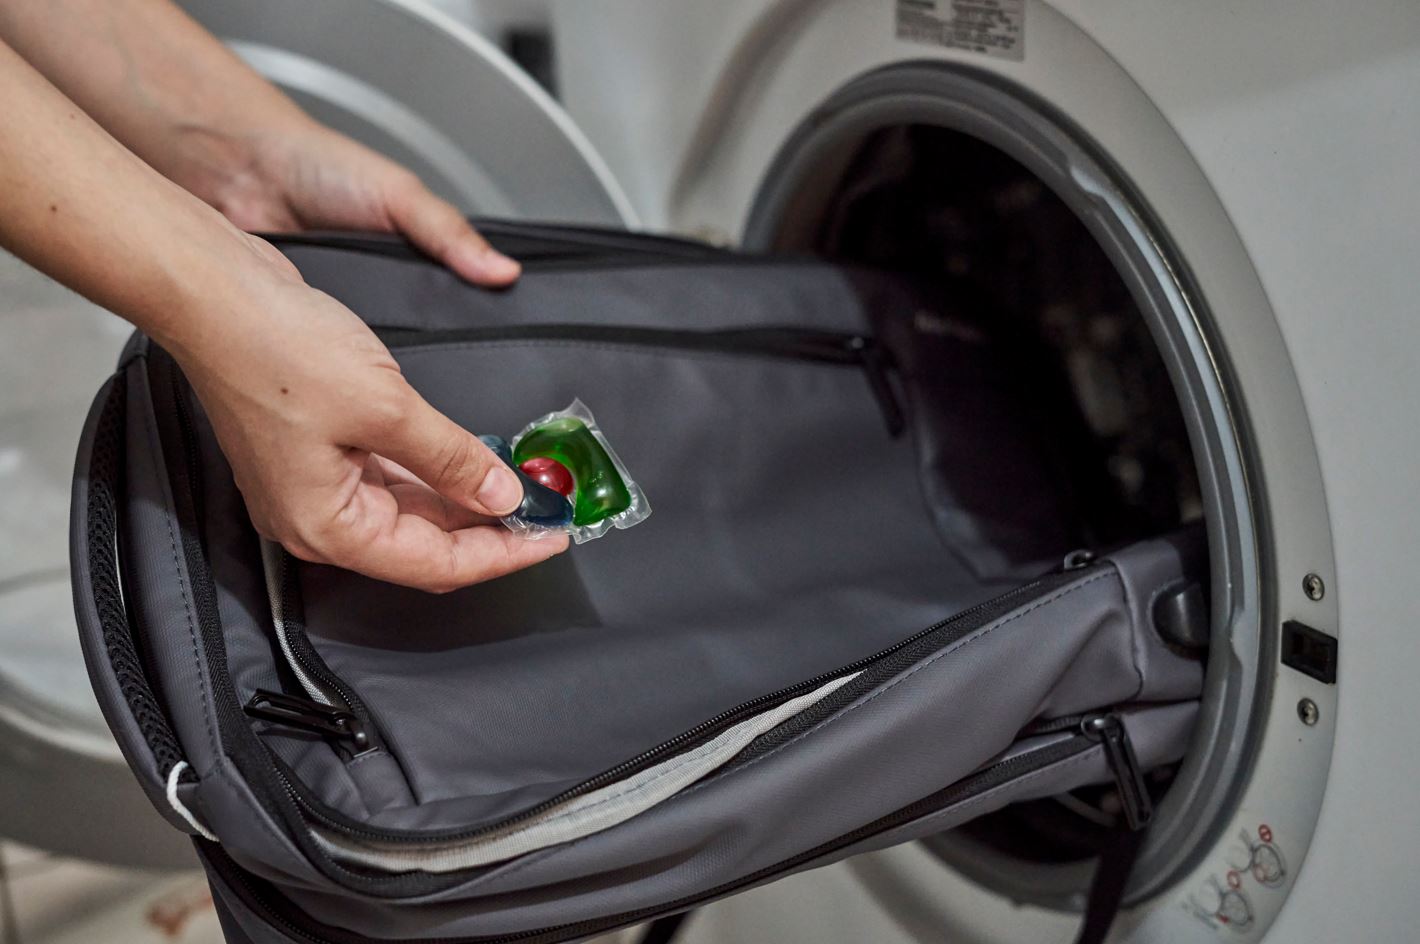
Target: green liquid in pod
(600, 492)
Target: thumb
(449, 459)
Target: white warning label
(994, 27)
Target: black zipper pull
(876, 363)
(308, 715)
(1109, 730)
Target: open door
(411, 83)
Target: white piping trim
(177, 804)
(576, 818)
(271, 562)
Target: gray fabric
(252, 649)
(165, 609)
(248, 833)
(579, 816)
(927, 728)
(717, 598)
(792, 536)
(1156, 569)
(748, 578)
(409, 294)
(1159, 734)
(961, 391)
(722, 564)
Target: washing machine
(1211, 204)
(1195, 220)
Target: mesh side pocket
(106, 479)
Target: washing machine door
(415, 84)
(398, 76)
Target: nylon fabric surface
(748, 578)
(583, 816)
(793, 536)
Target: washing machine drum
(849, 622)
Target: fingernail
(501, 492)
(494, 265)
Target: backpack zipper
(1108, 730)
(307, 715)
(828, 347)
(315, 716)
(537, 247)
(840, 348)
(346, 714)
(324, 689)
(957, 626)
(351, 716)
(275, 910)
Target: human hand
(197, 114)
(300, 175)
(337, 457)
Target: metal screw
(1308, 712)
(1313, 587)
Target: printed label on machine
(993, 27)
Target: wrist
(218, 293)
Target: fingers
(436, 227)
(409, 534)
(406, 533)
(420, 555)
(446, 457)
(415, 552)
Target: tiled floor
(46, 900)
(50, 900)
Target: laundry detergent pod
(569, 443)
(598, 490)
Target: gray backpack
(851, 621)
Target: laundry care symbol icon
(1264, 859)
(1224, 901)
(1234, 910)
(1219, 903)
